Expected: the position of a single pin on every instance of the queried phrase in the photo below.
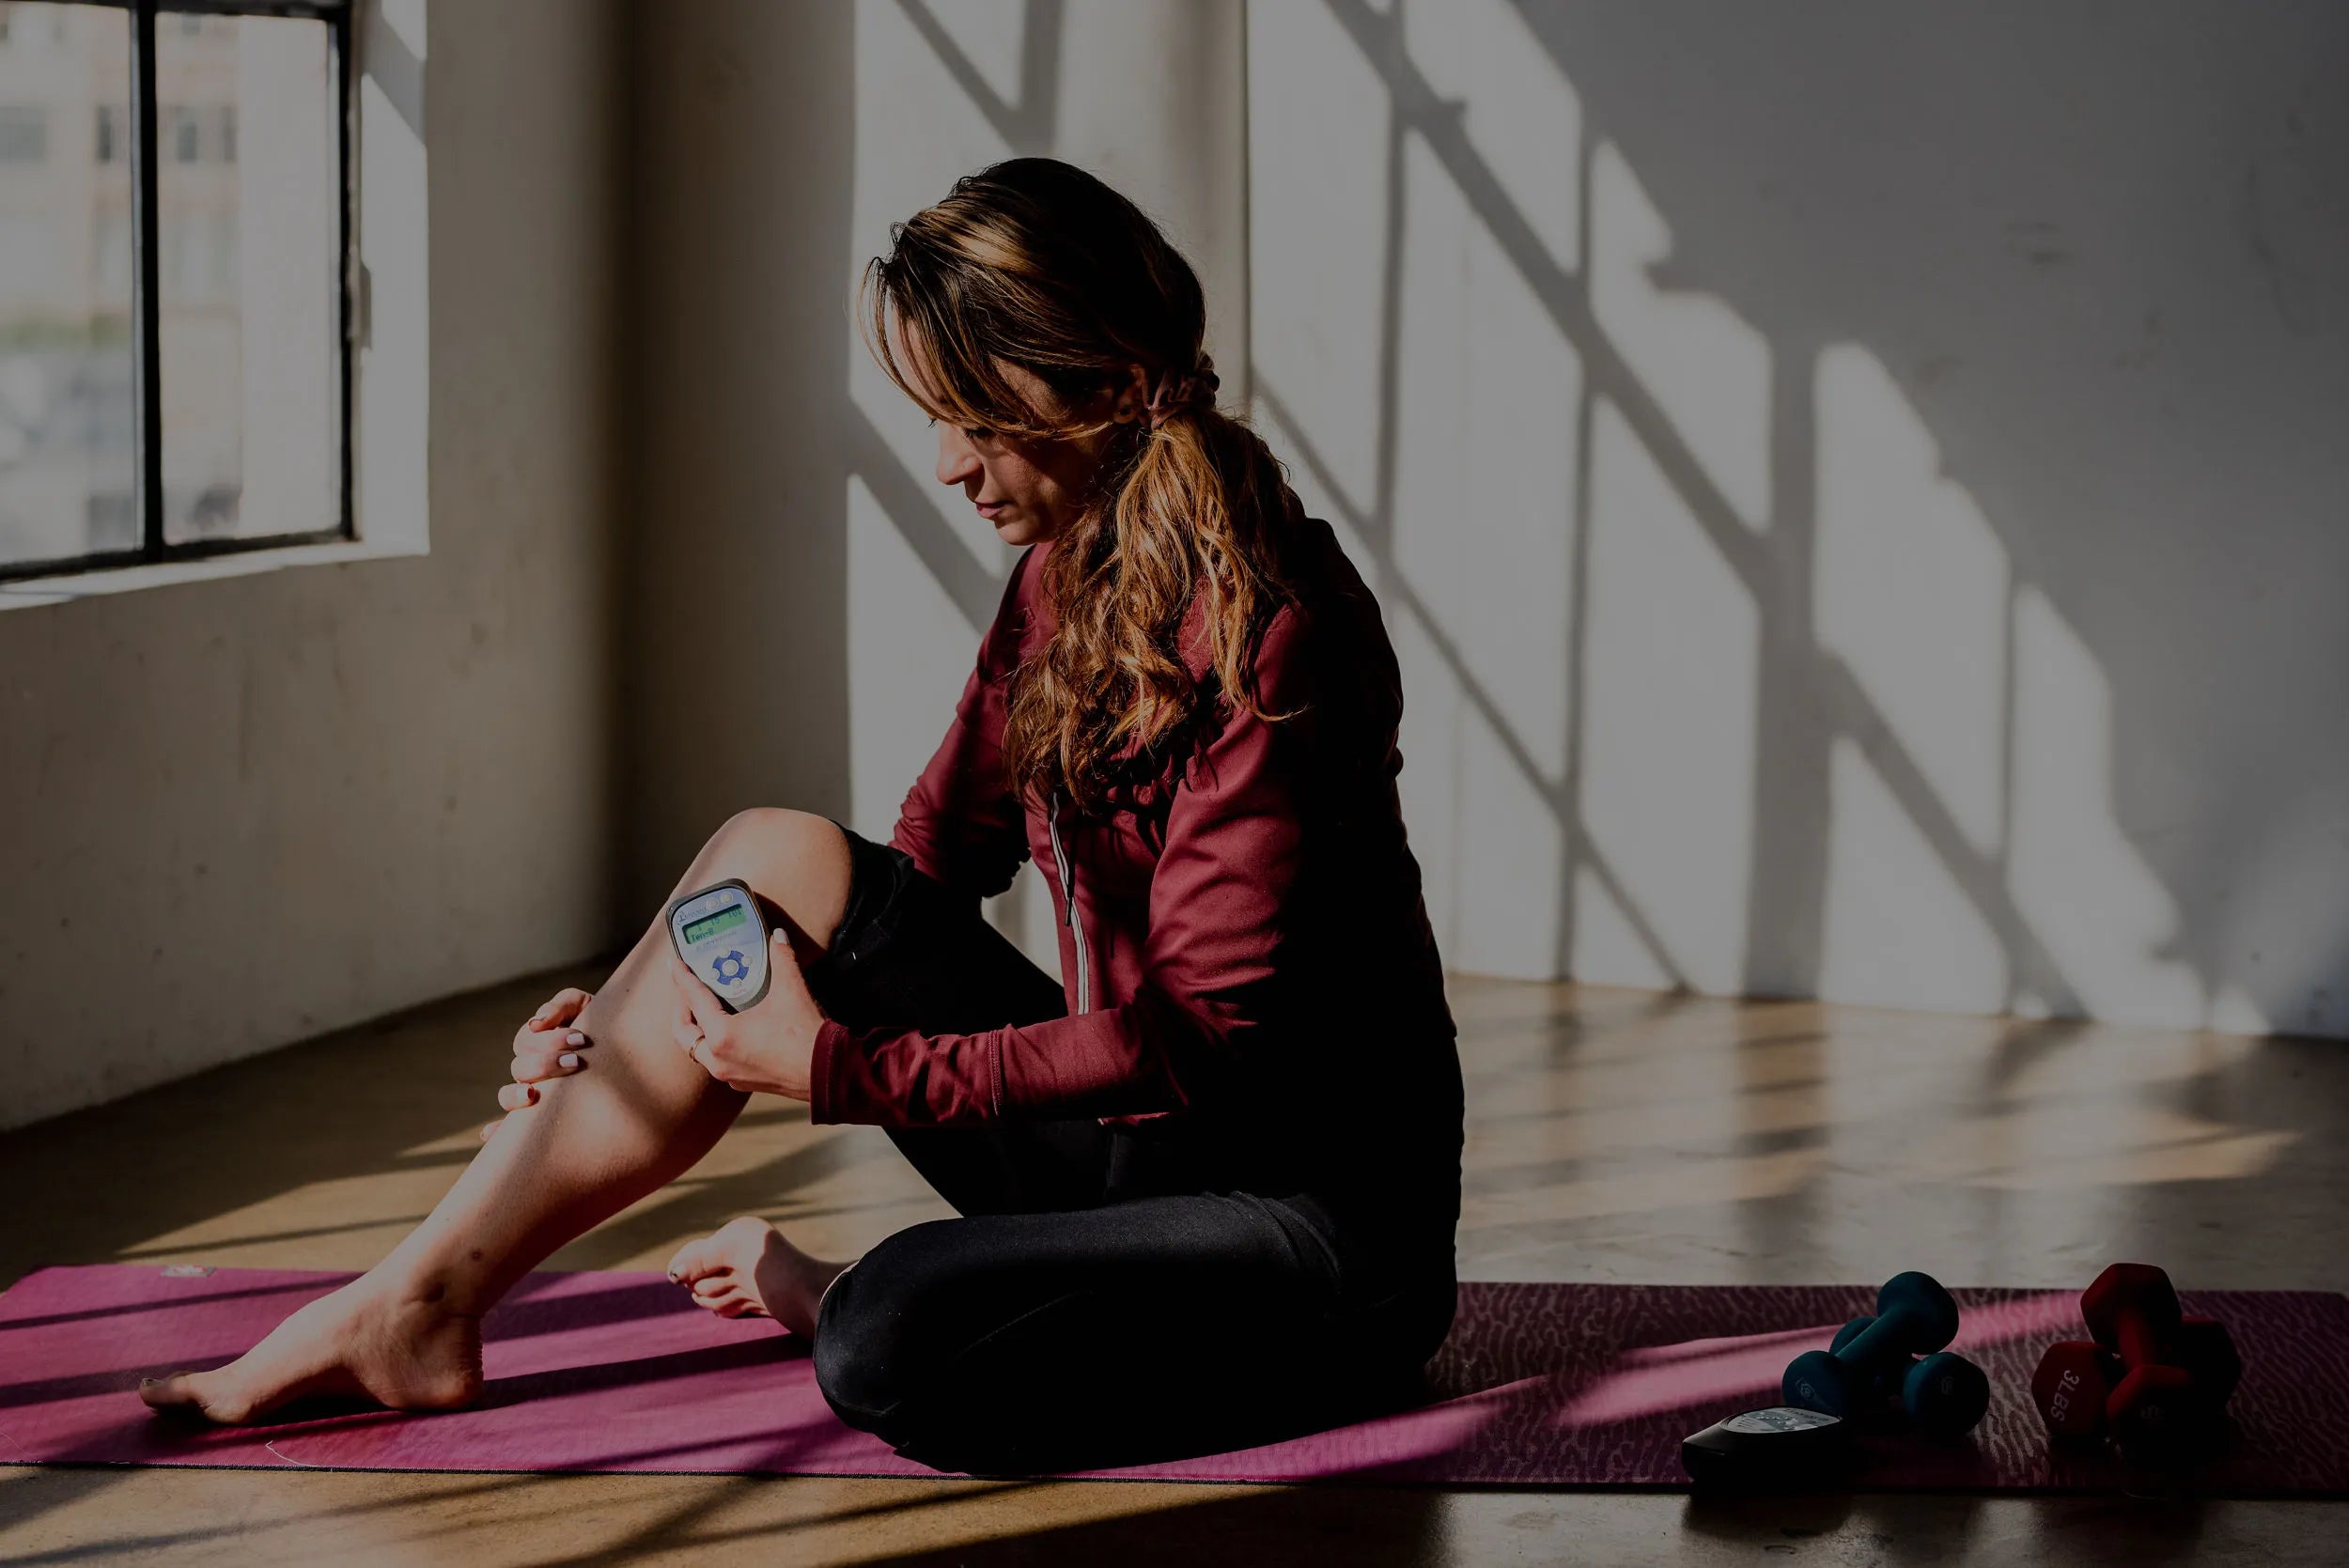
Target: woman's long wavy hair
(1036, 264)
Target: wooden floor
(1613, 1135)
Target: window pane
(248, 185)
(67, 468)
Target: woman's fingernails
(574, 1038)
(567, 1060)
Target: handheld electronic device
(721, 936)
(1777, 1449)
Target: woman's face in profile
(1028, 488)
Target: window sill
(28, 592)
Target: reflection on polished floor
(1613, 1135)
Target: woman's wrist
(832, 1039)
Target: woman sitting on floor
(1208, 1183)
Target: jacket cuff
(834, 1048)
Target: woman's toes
(724, 1269)
(697, 1260)
(736, 1299)
(711, 1292)
(191, 1395)
(737, 1245)
(168, 1393)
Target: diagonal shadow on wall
(1808, 695)
(2103, 262)
(1028, 123)
(1373, 527)
(973, 587)
(1806, 698)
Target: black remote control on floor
(1778, 1449)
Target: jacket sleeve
(1218, 902)
(960, 822)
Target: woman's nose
(957, 459)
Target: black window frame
(146, 150)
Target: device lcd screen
(724, 920)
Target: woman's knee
(864, 1345)
(799, 861)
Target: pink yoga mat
(1540, 1384)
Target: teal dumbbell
(1871, 1359)
(1943, 1394)
(1880, 1399)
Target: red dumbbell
(2156, 1374)
(2073, 1380)
(2158, 1402)
(2205, 1349)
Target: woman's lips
(992, 509)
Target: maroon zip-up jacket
(1243, 941)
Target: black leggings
(1075, 1318)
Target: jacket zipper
(1068, 914)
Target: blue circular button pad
(721, 937)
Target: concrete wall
(737, 255)
(1856, 489)
(806, 599)
(1859, 487)
(245, 811)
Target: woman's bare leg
(407, 1333)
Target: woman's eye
(978, 434)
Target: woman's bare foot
(745, 1266)
(401, 1348)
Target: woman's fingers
(536, 1061)
(540, 1054)
(686, 1025)
(556, 1012)
(696, 1001)
(562, 1007)
(696, 1045)
(682, 1029)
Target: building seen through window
(249, 234)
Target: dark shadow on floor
(86, 1186)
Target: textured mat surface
(1541, 1385)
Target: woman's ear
(1130, 398)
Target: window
(175, 313)
(23, 133)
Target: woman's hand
(769, 1048)
(545, 1047)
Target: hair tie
(1171, 395)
